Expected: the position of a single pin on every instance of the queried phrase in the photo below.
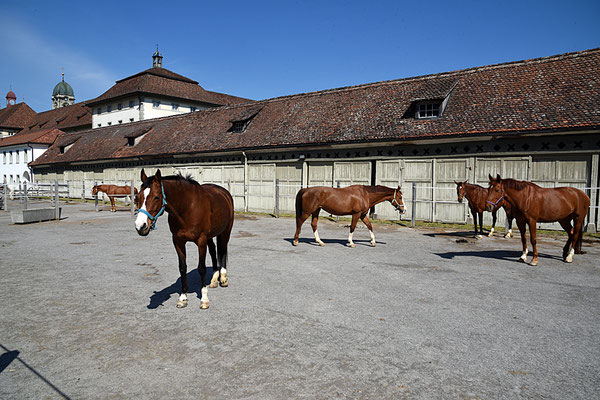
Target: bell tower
(157, 59)
(11, 98)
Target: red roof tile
(559, 93)
(45, 136)
(16, 116)
(69, 118)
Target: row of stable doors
(436, 193)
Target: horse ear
(157, 175)
(498, 178)
(456, 183)
(490, 176)
(465, 181)
(143, 175)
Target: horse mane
(517, 185)
(377, 189)
(180, 178)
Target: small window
(130, 119)
(174, 106)
(130, 103)
(428, 110)
(99, 110)
(99, 125)
(4, 157)
(25, 158)
(120, 121)
(192, 109)
(11, 158)
(155, 104)
(238, 126)
(108, 108)
(119, 106)
(17, 158)
(110, 123)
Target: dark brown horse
(531, 204)
(197, 213)
(476, 197)
(113, 191)
(353, 200)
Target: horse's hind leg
(576, 239)
(113, 208)
(299, 221)
(202, 243)
(566, 225)
(315, 220)
(180, 249)
(222, 242)
(533, 238)
(216, 267)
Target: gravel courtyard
(87, 311)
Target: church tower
(11, 98)
(157, 60)
(62, 95)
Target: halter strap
(397, 205)
(162, 210)
(497, 201)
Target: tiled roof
(73, 117)
(160, 81)
(559, 93)
(16, 116)
(45, 136)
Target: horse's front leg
(355, 218)
(201, 243)
(299, 221)
(493, 222)
(509, 219)
(113, 208)
(315, 220)
(532, 234)
(180, 249)
(370, 227)
(522, 229)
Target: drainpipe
(245, 181)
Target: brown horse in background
(355, 200)
(197, 213)
(531, 203)
(476, 197)
(113, 191)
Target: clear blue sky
(265, 49)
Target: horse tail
(299, 203)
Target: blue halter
(497, 201)
(162, 210)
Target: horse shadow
(507, 255)
(194, 286)
(343, 242)
(462, 234)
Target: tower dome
(63, 94)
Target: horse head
(151, 202)
(397, 201)
(460, 190)
(95, 190)
(495, 196)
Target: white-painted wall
(12, 170)
(148, 110)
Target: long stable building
(537, 120)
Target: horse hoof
(490, 234)
(372, 244)
(508, 236)
(533, 263)
(321, 244)
(204, 305)
(295, 243)
(213, 284)
(224, 282)
(352, 245)
(478, 237)
(569, 258)
(182, 303)
(523, 259)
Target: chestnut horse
(355, 200)
(197, 213)
(113, 191)
(476, 197)
(531, 203)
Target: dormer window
(428, 109)
(64, 149)
(238, 126)
(108, 108)
(155, 104)
(174, 106)
(134, 138)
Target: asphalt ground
(87, 311)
